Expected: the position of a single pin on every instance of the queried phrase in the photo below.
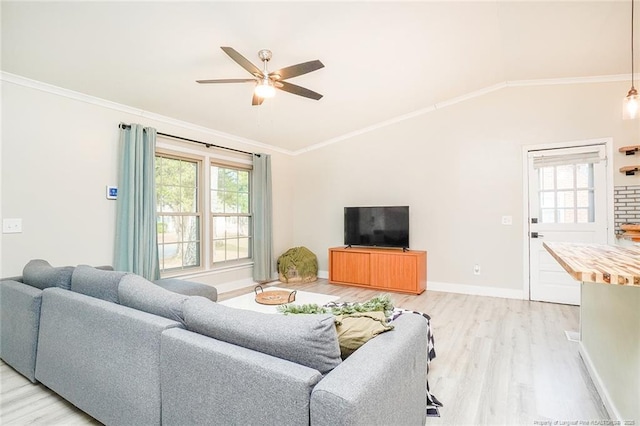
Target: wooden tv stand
(380, 269)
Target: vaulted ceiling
(382, 59)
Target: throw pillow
(40, 274)
(98, 283)
(309, 340)
(136, 292)
(354, 330)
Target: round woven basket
(274, 297)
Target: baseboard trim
(613, 412)
(474, 290)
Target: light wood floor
(499, 362)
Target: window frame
(213, 215)
(198, 213)
(179, 150)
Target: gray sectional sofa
(127, 351)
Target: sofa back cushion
(139, 293)
(99, 283)
(40, 274)
(309, 340)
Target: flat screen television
(377, 226)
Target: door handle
(536, 235)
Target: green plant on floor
(297, 262)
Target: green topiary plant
(298, 264)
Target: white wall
(460, 170)
(610, 345)
(58, 155)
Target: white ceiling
(382, 59)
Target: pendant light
(630, 109)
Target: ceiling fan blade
(299, 69)
(228, 80)
(242, 61)
(257, 100)
(297, 90)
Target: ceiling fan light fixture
(265, 89)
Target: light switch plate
(11, 226)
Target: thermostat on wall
(112, 192)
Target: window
(230, 214)
(200, 225)
(567, 193)
(178, 210)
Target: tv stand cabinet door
(349, 267)
(394, 271)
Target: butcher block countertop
(598, 263)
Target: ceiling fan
(267, 82)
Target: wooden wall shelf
(380, 269)
(630, 150)
(630, 170)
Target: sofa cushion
(309, 340)
(40, 274)
(96, 282)
(139, 293)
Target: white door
(567, 203)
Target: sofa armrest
(206, 381)
(19, 324)
(17, 278)
(188, 288)
(383, 382)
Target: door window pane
(547, 199)
(566, 216)
(565, 176)
(548, 216)
(566, 194)
(566, 199)
(584, 174)
(547, 178)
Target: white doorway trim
(608, 143)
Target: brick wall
(626, 205)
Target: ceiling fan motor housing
(264, 55)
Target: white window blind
(583, 155)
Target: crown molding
(93, 100)
(38, 85)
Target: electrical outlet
(507, 220)
(11, 226)
(476, 269)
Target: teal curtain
(136, 245)
(263, 261)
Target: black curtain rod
(207, 144)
